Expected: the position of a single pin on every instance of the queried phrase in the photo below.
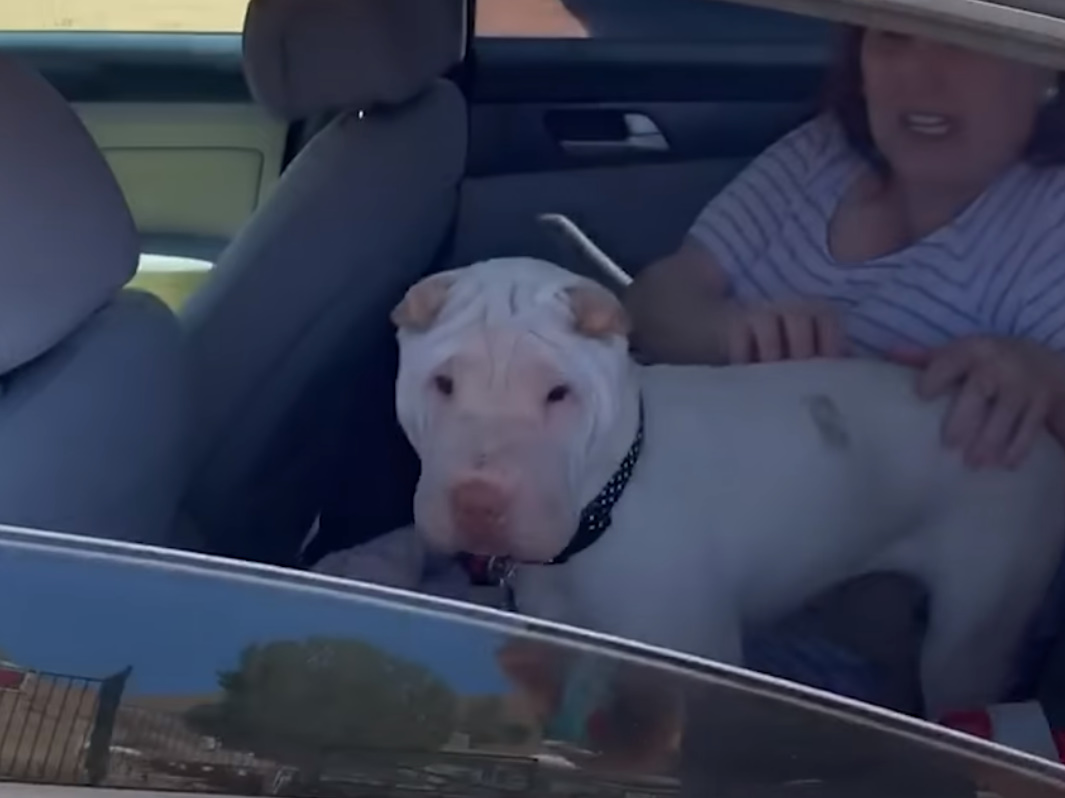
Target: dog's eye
(558, 394)
(444, 384)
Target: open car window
(1031, 30)
(108, 16)
(143, 669)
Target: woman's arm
(676, 306)
(682, 314)
(679, 305)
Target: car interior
(433, 162)
(288, 185)
(78, 352)
(281, 190)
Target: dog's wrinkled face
(511, 380)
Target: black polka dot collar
(595, 520)
(596, 516)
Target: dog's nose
(478, 508)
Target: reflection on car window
(125, 670)
(669, 20)
(660, 21)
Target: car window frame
(1029, 30)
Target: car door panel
(630, 136)
(525, 138)
(618, 206)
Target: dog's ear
(597, 312)
(422, 303)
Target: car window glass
(671, 20)
(679, 21)
(139, 16)
(161, 671)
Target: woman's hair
(845, 98)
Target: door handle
(642, 134)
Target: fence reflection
(46, 723)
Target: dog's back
(761, 486)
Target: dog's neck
(604, 462)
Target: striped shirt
(997, 269)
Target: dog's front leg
(396, 559)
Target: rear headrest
(305, 57)
(67, 239)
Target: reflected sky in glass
(91, 618)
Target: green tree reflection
(322, 699)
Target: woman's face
(944, 115)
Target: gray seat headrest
(68, 242)
(305, 57)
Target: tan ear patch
(597, 313)
(422, 303)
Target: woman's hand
(1003, 395)
(766, 332)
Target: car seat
(290, 333)
(93, 384)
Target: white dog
(675, 505)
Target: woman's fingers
(771, 333)
(801, 335)
(914, 358)
(830, 341)
(739, 342)
(989, 444)
(995, 420)
(1028, 429)
(766, 329)
(998, 408)
(798, 333)
(944, 371)
(811, 331)
(966, 416)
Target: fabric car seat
(93, 382)
(290, 333)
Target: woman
(922, 218)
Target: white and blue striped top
(998, 269)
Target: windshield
(127, 668)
